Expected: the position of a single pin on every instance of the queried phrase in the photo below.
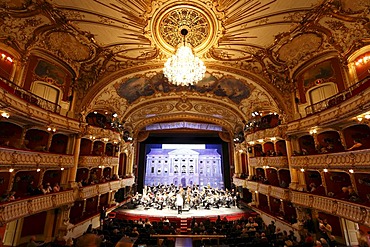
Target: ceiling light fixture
(183, 68)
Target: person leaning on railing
(356, 144)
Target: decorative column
(48, 231)
(237, 160)
(342, 139)
(323, 182)
(62, 220)
(251, 170)
(73, 170)
(50, 139)
(294, 182)
(314, 135)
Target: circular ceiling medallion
(168, 22)
(178, 20)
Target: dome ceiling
(251, 48)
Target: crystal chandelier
(183, 68)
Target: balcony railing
(279, 193)
(252, 186)
(88, 191)
(348, 210)
(20, 208)
(103, 188)
(269, 190)
(18, 157)
(278, 131)
(342, 160)
(99, 189)
(88, 161)
(338, 98)
(275, 161)
(99, 132)
(29, 97)
(345, 209)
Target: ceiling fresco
(136, 87)
(120, 46)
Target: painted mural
(49, 71)
(324, 72)
(136, 87)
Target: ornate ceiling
(117, 48)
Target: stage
(153, 214)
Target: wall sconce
(11, 169)
(325, 170)
(105, 139)
(5, 57)
(260, 140)
(313, 131)
(273, 139)
(302, 169)
(362, 60)
(62, 168)
(38, 170)
(51, 129)
(351, 171)
(5, 114)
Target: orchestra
(192, 197)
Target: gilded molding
(359, 159)
(349, 108)
(100, 133)
(23, 207)
(95, 161)
(276, 161)
(28, 159)
(351, 211)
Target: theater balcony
(96, 161)
(359, 159)
(32, 205)
(17, 158)
(277, 162)
(351, 211)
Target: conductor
(179, 202)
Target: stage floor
(140, 212)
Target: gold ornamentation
(190, 19)
(184, 105)
(68, 45)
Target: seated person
(56, 187)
